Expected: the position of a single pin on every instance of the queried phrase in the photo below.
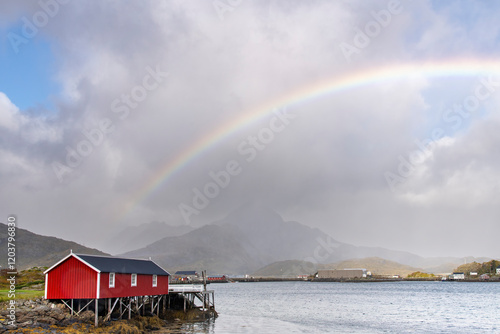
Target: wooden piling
(129, 308)
(96, 318)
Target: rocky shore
(41, 316)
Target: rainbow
(365, 77)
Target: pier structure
(123, 307)
(190, 292)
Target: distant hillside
(289, 268)
(33, 250)
(376, 265)
(489, 267)
(134, 237)
(440, 265)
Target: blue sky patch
(27, 77)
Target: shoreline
(43, 316)
(356, 280)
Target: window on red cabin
(111, 280)
(133, 280)
(155, 281)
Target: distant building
(484, 277)
(217, 278)
(457, 276)
(473, 273)
(341, 273)
(498, 270)
(185, 275)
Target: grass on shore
(21, 294)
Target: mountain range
(244, 242)
(255, 236)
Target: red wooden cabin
(220, 278)
(80, 276)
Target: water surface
(385, 307)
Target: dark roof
(185, 272)
(109, 264)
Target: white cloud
(10, 118)
(460, 171)
(32, 129)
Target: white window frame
(133, 280)
(112, 280)
(155, 281)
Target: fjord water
(385, 307)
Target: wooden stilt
(158, 307)
(129, 308)
(110, 310)
(71, 306)
(120, 301)
(96, 320)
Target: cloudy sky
(116, 113)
